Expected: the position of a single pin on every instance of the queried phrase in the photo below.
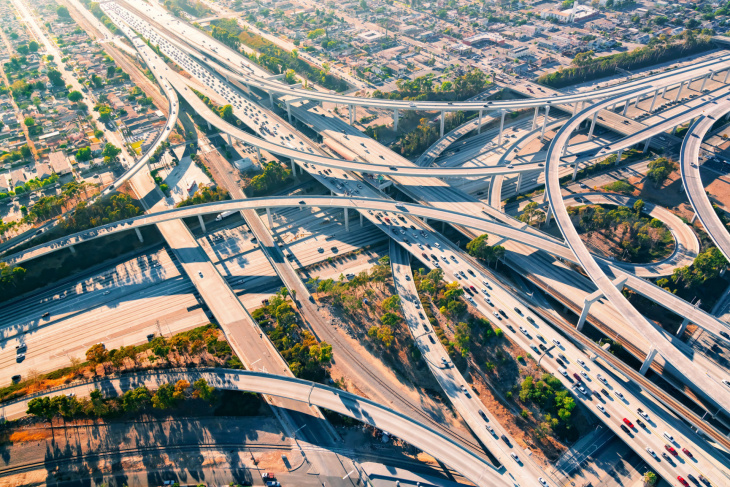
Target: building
(520, 52)
(484, 38)
(370, 36)
(18, 178)
(58, 162)
(43, 171)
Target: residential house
(59, 163)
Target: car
(530, 320)
(666, 457)
(651, 452)
(605, 393)
(628, 423)
(626, 430)
(515, 457)
(430, 337)
(465, 391)
(679, 477)
(601, 408)
(524, 331)
(583, 390)
(543, 482)
(671, 450)
(557, 343)
(273, 483)
(687, 452)
(582, 363)
(560, 362)
(669, 437)
(491, 430)
(602, 379)
(577, 377)
(619, 395)
(484, 416)
(169, 482)
(497, 315)
(641, 423)
(506, 440)
(15, 378)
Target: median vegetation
(205, 194)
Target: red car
(686, 452)
(671, 450)
(628, 423)
(682, 481)
(577, 377)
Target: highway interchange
(371, 203)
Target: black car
(560, 362)
(640, 423)
(506, 440)
(16, 378)
(625, 428)
(543, 348)
(430, 337)
(484, 416)
(605, 393)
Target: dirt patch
(23, 436)
(718, 187)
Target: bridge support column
(258, 154)
(519, 181)
(268, 217)
(361, 223)
(479, 124)
(534, 117)
(544, 122)
(619, 154)
(626, 107)
(288, 110)
(575, 170)
(347, 220)
(501, 127)
(679, 92)
(683, 327)
(352, 114)
(584, 314)
(664, 91)
(646, 144)
(647, 362)
(443, 120)
(726, 75)
(208, 124)
(549, 215)
(593, 126)
(72, 249)
(139, 234)
(694, 219)
(202, 223)
(293, 168)
(271, 98)
(656, 94)
(230, 141)
(395, 120)
(709, 76)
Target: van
(563, 371)
(669, 437)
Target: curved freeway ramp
(706, 386)
(312, 393)
(689, 167)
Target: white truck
(224, 214)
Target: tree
(97, 354)
(462, 336)
(110, 152)
(313, 34)
(385, 335)
(33, 46)
(83, 154)
(650, 478)
(391, 304)
(390, 319)
(25, 151)
(29, 122)
(202, 390)
(105, 113)
(181, 388)
(638, 206)
(136, 399)
(55, 77)
(62, 12)
(163, 397)
(481, 250)
(583, 58)
(660, 169)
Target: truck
(224, 214)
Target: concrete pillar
(584, 314)
(679, 92)
(293, 168)
(626, 107)
(139, 234)
(202, 223)
(593, 126)
(534, 117)
(443, 120)
(347, 220)
(575, 170)
(646, 144)
(230, 141)
(683, 327)
(271, 97)
(395, 120)
(268, 216)
(656, 94)
(549, 215)
(208, 124)
(361, 223)
(479, 124)
(694, 219)
(501, 127)
(288, 110)
(726, 75)
(519, 181)
(664, 91)
(647, 362)
(575, 108)
(618, 156)
(544, 122)
(258, 154)
(72, 249)
(704, 81)
(352, 114)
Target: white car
(542, 481)
(496, 315)
(515, 457)
(619, 395)
(557, 343)
(651, 452)
(581, 362)
(524, 331)
(602, 379)
(601, 408)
